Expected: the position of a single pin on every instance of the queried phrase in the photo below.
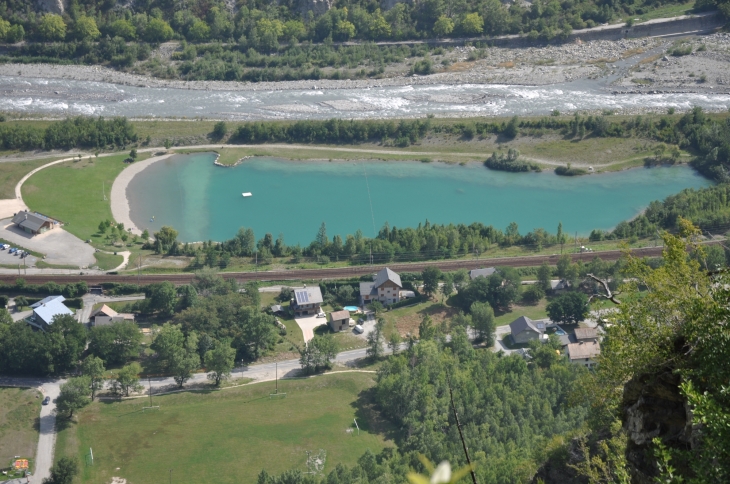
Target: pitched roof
(276, 308)
(337, 315)
(524, 323)
(105, 311)
(29, 220)
(386, 274)
(50, 309)
(486, 272)
(582, 350)
(46, 300)
(367, 289)
(586, 333)
(307, 295)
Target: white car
(359, 329)
(5, 246)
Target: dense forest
(79, 132)
(224, 41)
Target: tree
(93, 368)
(563, 264)
(5, 317)
(162, 297)
(124, 29)
(21, 302)
(431, 276)
(183, 362)
(199, 32)
(318, 353)
(85, 28)
(426, 329)
(74, 395)
(145, 235)
(220, 361)
(512, 129)
(258, 333)
(561, 238)
(471, 24)
(116, 343)
(169, 340)
(546, 353)
(220, 129)
(128, 377)
(165, 239)
(394, 341)
(375, 340)
(482, 317)
(188, 296)
(377, 307)
(443, 26)
(133, 154)
(51, 27)
(158, 30)
(533, 294)
(63, 472)
(447, 288)
(544, 276)
(568, 308)
(67, 340)
(345, 294)
(322, 240)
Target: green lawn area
(533, 312)
(227, 436)
(72, 192)
(19, 411)
(108, 261)
(12, 172)
(667, 11)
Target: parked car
(12, 250)
(4, 246)
(359, 329)
(46, 400)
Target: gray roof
(367, 289)
(386, 275)
(567, 339)
(276, 308)
(50, 309)
(46, 300)
(29, 220)
(524, 323)
(307, 295)
(474, 273)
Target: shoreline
(119, 200)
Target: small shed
(277, 308)
(106, 316)
(339, 320)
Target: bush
(568, 171)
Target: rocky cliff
(53, 6)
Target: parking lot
(59, 246)
(6, 258)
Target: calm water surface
(203, 201)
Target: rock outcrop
(53, 6)
(318, 7)
(654, 407)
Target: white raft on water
(247, 194)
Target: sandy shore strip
(121, 211)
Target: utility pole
(461, 435)
(276, 377)
(149, 382)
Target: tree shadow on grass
(370, 419)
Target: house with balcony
(385, 288)
(307, 301)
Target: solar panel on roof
(303, 297)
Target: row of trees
(78, 132)
(265, 25)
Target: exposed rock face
(318, 7)
(654, 407)
(53, 6)
(558, 470)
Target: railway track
(334, 273)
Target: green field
(19, 411)
(108, 261)
(227, 436)
(12, 172)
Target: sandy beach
(119, 201)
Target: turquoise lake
(204, 202)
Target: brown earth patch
(506, 65)
(410, 322)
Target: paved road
(47, 437)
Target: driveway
(60, 247)
(307, 325)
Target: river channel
(204, 202)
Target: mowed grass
(227, 436)
(12, 171)
(19, 412)
(72, 192)
(106, 261)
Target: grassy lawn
(12, 172)
(19, 411)
(667, 11)
(533, 312)
(228, 436)
(106, 261)
(72, 192)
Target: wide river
(204, 202)
(58, 97)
